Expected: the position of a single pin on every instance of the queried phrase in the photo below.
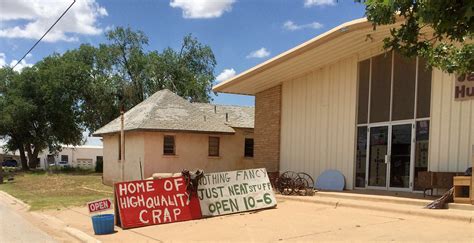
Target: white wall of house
(452, 127)
(318, 121)
(79, 156)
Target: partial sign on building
(464, 87)
(235, 191)
(151, 202)
(99, 205)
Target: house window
(248, 150)
(64, 158)
(168, 145)
(213, 146)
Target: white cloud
(225, 74)
(19, 67)
(40, 15)
(310, 3)
(290, 25)
(202, 9)
(260, 53)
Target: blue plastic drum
(103, 224)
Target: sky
(241, 33)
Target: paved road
(15, 228)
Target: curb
(83, 237)
(416, 212)
(16, 200)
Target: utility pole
(122, 143)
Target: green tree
(123, 68)
(40, 108)
(58, 98)
(450, 48)
(188, 72)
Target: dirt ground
(290, 221)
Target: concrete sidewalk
(408, 206)
(293, 220)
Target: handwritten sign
(99, 205)
(464, 87)
(151, 202)
(235, 191)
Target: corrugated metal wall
(318, 121)
(452, 122)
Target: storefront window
(423, 103)
(421, 148)
(380, 88)
(361, 157)
(404, 78)
(363, 102)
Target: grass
(42, 190)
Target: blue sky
(242, 33)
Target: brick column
(267, 128)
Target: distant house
(83, 156)
(166, 133)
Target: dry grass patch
(53, 191)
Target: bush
(69, 169)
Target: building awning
(342, 41)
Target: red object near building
(151, 202)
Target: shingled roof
(166, 111)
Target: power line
(55, 22)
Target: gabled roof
(166, 111)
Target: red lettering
(155, 202)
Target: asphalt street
(15, 228)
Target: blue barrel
(103, 224)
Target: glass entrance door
(390, 157)
(378, 156)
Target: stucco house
(340, 101)
(166, 133)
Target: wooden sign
(151, 202)
(235, 191)
(464, 87)
(99, 205)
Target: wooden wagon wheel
(286, 183)
(307, 179)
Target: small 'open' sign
(99, 205)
